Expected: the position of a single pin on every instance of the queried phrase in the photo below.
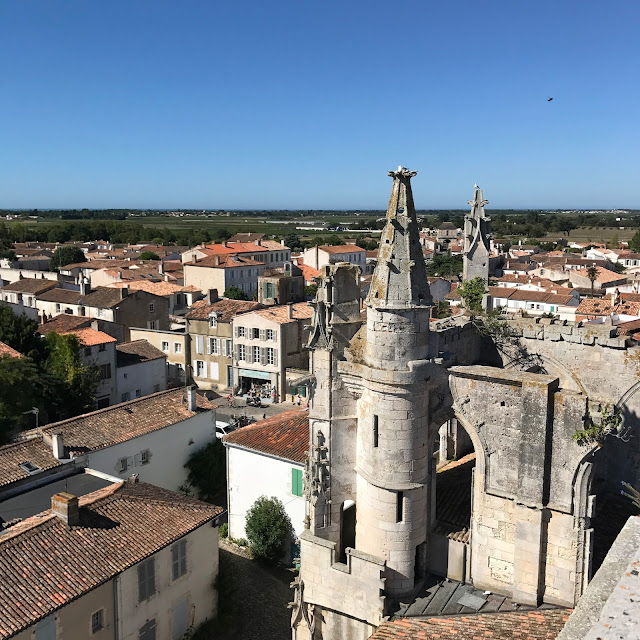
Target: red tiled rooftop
(226, 308)
(285, 435)
(6, 350)
(533, 625)
(341, 248)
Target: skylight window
(29, 467)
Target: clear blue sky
(307, 104)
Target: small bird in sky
(549, 99)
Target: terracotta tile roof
(627, 309)
(519, 266)
(285, 435)
(280, 314)
(526, 295)
(121, 422)
(308, 273)
(628, 328)
(341, 248)
(236, 247)
(6, 350)
(46, 564)
(222, 261)
(98, 264)
(65, 296)
(31, 285)
(201, 309)
(102, 297)
(590, 306)
(543, 624)
(630, 297)
(12, 455)
(135, 352)
(246, 237)
(453, 294)
(157, 288)
(90, 337)
(372, 254)
(63, 323)
(604, 275)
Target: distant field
(596, 234)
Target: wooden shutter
(275, 357)
(209, 346)
(262, 335)
(224, 348)
(249, 355)
(296, 482)
(199, 344)
(263, 356)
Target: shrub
(268, 528)
(224, 530)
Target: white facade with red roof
(319, 256)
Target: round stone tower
(393, 460)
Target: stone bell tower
(476, 240)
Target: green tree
(70, 385)
(444, 264)
(268, 528)
(234, 293)
(20, 390)
(292, 240)
(634, 243)
(472, 292)
(66, 255)
(442, 309)
(149, 255)
(310, 290)
(592, 274)
(21, 333)
(207, 473)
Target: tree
(442, 309)
(634, 243)
(592, 274)
(233, 293)
(310, 290)
(21, 333)
(292, 240)
(149, 255)
(444, 264)
(268, 528)
(20, 390)
(207, 473)
(70, 386)
(472, 292)
(66, 255)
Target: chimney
(194, 258)
(217, 260)
(57, 445)
(124, 292)
(258, 242)
(65, 506)
(85, 287)
(94, 325)
(213, 295)
(224, 244)
(282, 242)
(161, 268)
(290, 311)
(191, 398)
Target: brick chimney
(192, 398)
(65, 506)
(213, 295)
(290, 311)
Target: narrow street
(253, 598)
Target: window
(46, 628)
(152, 324)
(270, 334)
(179, 559)
(400, 507)
(241, 332)
(87, 351)
(268, 290)
(102, 347)
(296, 482)
(177, 347)
(57, 308)
(105, 371)
(255, 353)
(152, 307)
(165, 346)
(201, 370)
(375, 431)
(255, 333)
(199, 344)
(138, 393)
(125, 397)
(146, 581)
(121, 465)
(227, 348)
(213, 320)
(242, 352)
(145, 456)
(271, 356)
(147, 630)
(97, 621)
(214, 346)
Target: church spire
(400, 276)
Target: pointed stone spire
(475, 257)
(400, 276)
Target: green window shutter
(296, 482)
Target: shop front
(262, 384)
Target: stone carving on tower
(476, 240)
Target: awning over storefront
(250, 373)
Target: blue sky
(307, 104)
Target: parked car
(222, 429)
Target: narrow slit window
(400, 507)
(375, 431)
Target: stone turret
(476, 240)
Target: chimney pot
(194, 258)
(213, 295)
(192, 398)
(290, 311)
(124, 292)
(57, 446)
(65, 506)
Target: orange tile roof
(221, 262)
(6, 350)
(543, 624)
(280, 314)
(285, 435)
(158, 288)
(341, 248)
(46, 564)
(90, 337)
(308, 273)
(229, 308)
(604, 275)
(33, 450)
(591, 306)
(235, 247)
(31, 285)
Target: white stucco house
(267, 459)
(141, 369)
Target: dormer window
(29, 467)
(213, 320)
